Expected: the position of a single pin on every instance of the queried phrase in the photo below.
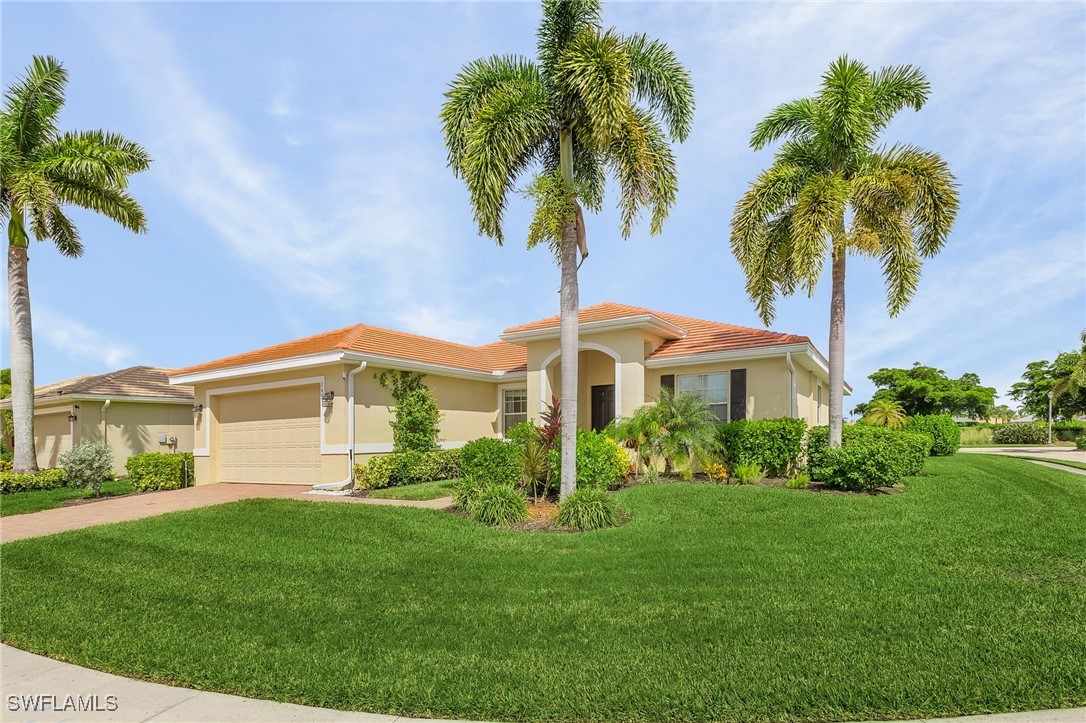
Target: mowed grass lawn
(20, 503)
(964, 594)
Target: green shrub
(1080, 442)
(868, 458)
(159, 470)
(945, 433)
(1019, 433)
(88, 465)
(521, 434)
(1068, 430)
(45, 479)
(749, 474)
(587, 509)
(465, 493)
(975, 436)
(5, 465)
(490, 460)
(417, 417)
(776, 444)
(800, 482)
(499, 503)
(602, 463)
(407, 468)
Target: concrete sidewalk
(134, 701)
(1069, 454)
(135, 507)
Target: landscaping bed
(714, 602)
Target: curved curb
(26, 675)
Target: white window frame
(702, 394)
(503, 410)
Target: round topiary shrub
(499, 504)
(587, 509)
(490, 460)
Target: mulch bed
(816, 487)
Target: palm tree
(594, 102)
(41, 171)
(885, 413)
(831, 189)
(688, 431)
(640, 432)
(1075, 378)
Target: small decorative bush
(465, 493)
(749, 474)
(159, 470)
(1033, 433)
(88, 465)
(5, 465)
(601, 462)
(776, 444)
(800, 482)
(868, 458)
(417, 417)
(945, 433)
(46, 479)
(498, 504)
(1080, 442)
(716, 472)
(490, 460)
(407, 468)
(521, 434)
(587, 509)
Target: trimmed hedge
(602, 463)
(46, 479)
(774, 444)
(1020, 433)
(868, 458)
(490, 460)
(1068, 430)
(407, 468)
(159, 470)
(946, 435)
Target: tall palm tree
(41, 171)
(593, 102)
(831, 189)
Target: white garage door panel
(271, 437)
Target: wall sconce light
(197, 410)
(71, 417)
(326, 398)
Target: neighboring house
(133, 410)
(280, 414)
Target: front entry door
(603, 405)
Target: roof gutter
(349, 481)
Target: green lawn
(964, 594)
(421, 491)
(18, 503)
(1063, 462)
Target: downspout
(105, 422)
(349, 481)
(792, 385)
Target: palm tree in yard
(42, 170)
(885, 413)
(594, 102)
(832, 190)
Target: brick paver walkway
(134, 507)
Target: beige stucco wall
(768, 383)
(53, 433)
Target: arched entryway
(599, 389)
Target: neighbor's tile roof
(366, 339)
(143, 381)
(701, 336)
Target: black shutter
(738, 394)
(667, 381)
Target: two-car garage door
(271, 436)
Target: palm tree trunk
(837, 348)
(22, 360)
(569, 343)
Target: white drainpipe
(347, 483)
(105, 422)
(792, 386)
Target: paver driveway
(134, 507)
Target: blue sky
(300, 184)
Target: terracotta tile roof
(148, 382)
(366, 339)
(701, 336)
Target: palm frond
(64, 234)
(34, 101)
(641, 159)
(589, 170)
(113, 203)
(661, 81)
(554, 207)
(844, 109)
(562, 21)
(935, 199)
(95, 156)
(818, 216)
(595, 70)
(795, 119)
(896, 87)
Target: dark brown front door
(603, 405)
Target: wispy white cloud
(90, 348)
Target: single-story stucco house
(133, 410)
(300, 412)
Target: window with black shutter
(667, 381)
(738, 394)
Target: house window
(514, 408)
(709, 388)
